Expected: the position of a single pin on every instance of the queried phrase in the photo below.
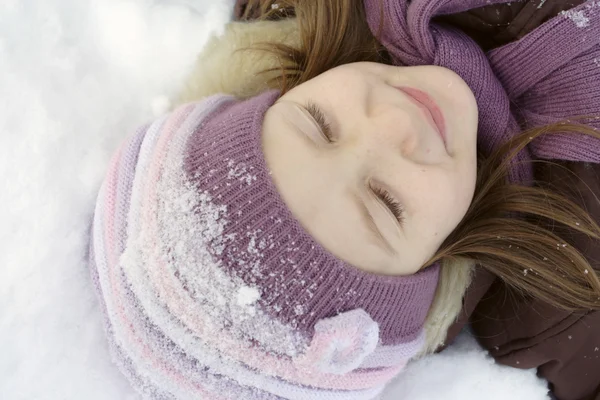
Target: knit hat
(213, 290)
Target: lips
(433, 112)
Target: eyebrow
(370, 222)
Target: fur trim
(455, 278)
(227, 66)
(224, 67)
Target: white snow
(463, 371)
(578, 17)
(76, 76)
(247, 296)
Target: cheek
(464, 187)
(442, 207)
(459, 198)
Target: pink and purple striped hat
(211, 289)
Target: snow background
(76, 76)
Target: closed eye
(318, 115)
(390, 202)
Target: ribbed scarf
(550, 75)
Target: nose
(393, 129)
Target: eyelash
(396, 208)
(319, 116)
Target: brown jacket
(564, 347)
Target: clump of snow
(299, 310)
(160, 105)
(247, 296)
(578, 17)
(240, 171)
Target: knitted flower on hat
(211, 289)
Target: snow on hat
(212, 289)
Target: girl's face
(377, 162)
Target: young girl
(307, 242)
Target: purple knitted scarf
(550, 75)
